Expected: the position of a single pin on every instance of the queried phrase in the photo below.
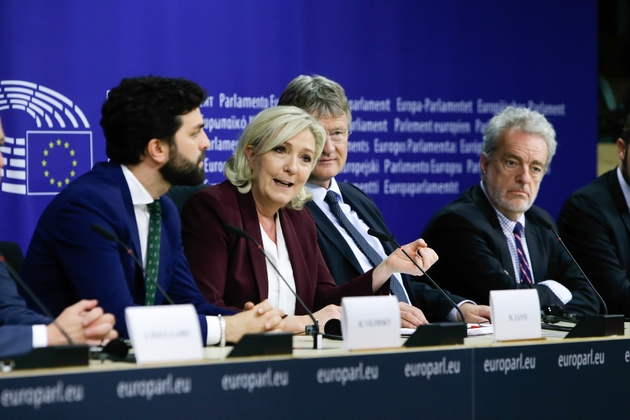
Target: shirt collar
(625, 188)
(319, 192)
(139, 194)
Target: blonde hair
(271, 128)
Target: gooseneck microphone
(33, 296)
(112, 237)
(549, 226)
(381, 236)
(312, 330)
(115, 350)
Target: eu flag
(56, 158)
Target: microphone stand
(434, 333)
(590, 325)
(391, 239)
(112, 237)
(312, 330)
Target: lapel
(332, 235)
(537, 249)
(353, 198)
(252, 227)
(498, 237)
(301, 270)
(135, 281)
(618, 198)
(130, 214)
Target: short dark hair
(143, 108)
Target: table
(578, 378)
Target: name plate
(168, 333)
(515, 314)
(370, 322)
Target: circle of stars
(59, 182)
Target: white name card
(168, 333)
(515, 314)
(370, 322)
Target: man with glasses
(343, 213)
(493, 237)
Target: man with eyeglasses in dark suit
(344, 252)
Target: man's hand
(298, 323)
(253, 319)
(410, 316)
(397, 262)
(475, 313)
(85, 323)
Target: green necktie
(153, 251)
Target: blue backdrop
(423, 79)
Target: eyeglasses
(338, 136)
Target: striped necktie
(395, 287)
(153, 251)
(525, 271)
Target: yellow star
(51, 145)
(58, 142)
(59, 184)
(72, 174)
(74, 163)
(66, 145)
(46, 173)
(45, 152)
(44, 162)
(52, 181)
(72, 152)
(67, 181)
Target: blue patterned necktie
(526, 273)
(153, 251)
(395, 287)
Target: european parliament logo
(57, 149)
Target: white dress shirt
(140, 197)
(319, 193)
(507, 226)
(625, 188)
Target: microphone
(332, 328)
(549, 226)
(312, 330)
(387, 238)
(33, 296)
(112, 237)
(116, 350)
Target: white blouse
(279, 295)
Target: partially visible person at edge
(595, 225)
(22, 329)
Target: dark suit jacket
(343, 264)
(595, 225)
(16, 334)
(66, 261)
(475, 258)
(231, 271)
